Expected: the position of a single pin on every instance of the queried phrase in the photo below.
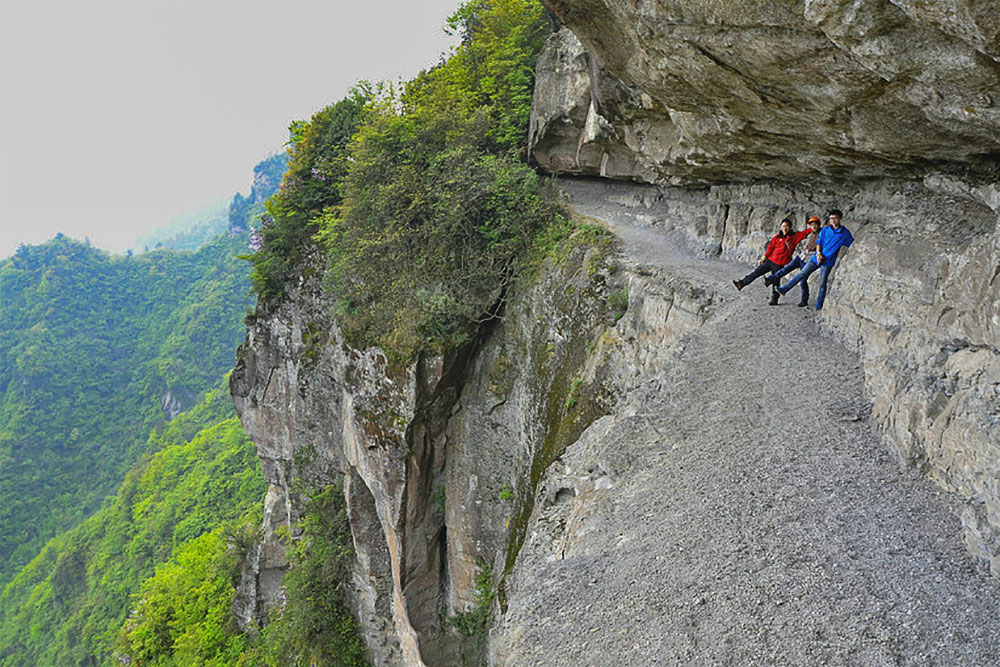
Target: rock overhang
(700, 92)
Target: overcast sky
(117, 116)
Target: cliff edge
(637, 463)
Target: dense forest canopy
(95, 350)
(68, 604)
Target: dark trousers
(762, 268)
(796, 263)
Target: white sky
(117, 116)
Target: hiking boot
(802, 304)
(738, 285)
(774, 299)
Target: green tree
(67, 605)
(317, 162)
(91, 345)
(184, 613)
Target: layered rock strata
(673, 91)
(885, 109)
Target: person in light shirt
(828, 244)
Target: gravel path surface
(755, 516)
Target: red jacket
(781, 248)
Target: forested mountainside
(246, 211)
(242, 212)
(187, 232)
(102, 355)
(151, 578)
(96, 350)
(165, 572)
(192, 498)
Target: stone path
(755, 516)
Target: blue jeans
(804, 274)
(796, 263)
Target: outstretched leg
(773, 279)
(762, 268)
(801, 276)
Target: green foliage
(574, 388)
(184, 614)
(437, 210)
(315, 627)
(312, 183)
(477, 621)
(556, 241)
(506, 493)
(90, 345)
(420, 198)
(426, 243)
(439, 498)
(67, 605)
(486, 85)
(619, 303)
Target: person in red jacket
(779, 252)
(798, 262)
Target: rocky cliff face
(815, 96)
(481, 466)
(708, 91)
(442, 457)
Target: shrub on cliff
(421, 198)
(312, 182)
(424, 246)
(437, 207)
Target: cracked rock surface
(705, 91)
(741, 507)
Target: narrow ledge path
(754, 515)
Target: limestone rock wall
(318, 413)
(885, 109)
(672, 91)
(918, 296)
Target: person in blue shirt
(831, 239)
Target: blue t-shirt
(830, 242)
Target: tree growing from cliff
(420, 198)
(317, 165)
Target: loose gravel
(756, 517)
